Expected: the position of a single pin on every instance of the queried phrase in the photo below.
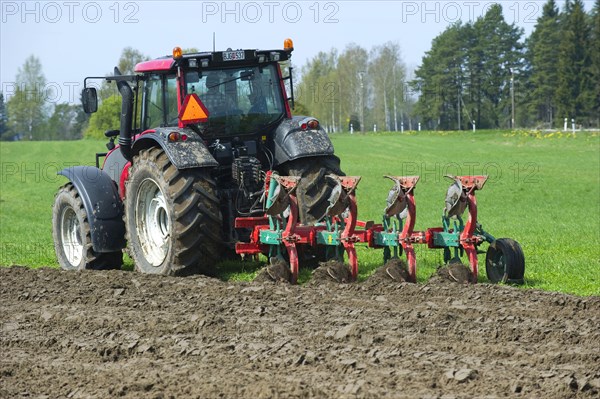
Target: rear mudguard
(291, 142)
(191, 153)
(102, 204)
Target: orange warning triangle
(193, 110)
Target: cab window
(160, 101)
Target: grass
(543, 191)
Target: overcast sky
(74, 39)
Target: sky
(75, 39)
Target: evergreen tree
(574, 63)
(499, 43)
(542, 54)
(440, 80)
(594, 71)
(468, 72)
(81, 121)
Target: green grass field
(543, 191)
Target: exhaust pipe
(126, 116)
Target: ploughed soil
(121, 334)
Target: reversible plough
(278, 234)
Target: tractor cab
(219, 97)
(222, 93)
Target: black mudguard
(291, 142)
(102, 204)
(191, 153)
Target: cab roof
(215, 59)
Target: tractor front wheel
(72, 237)
(505, 261)
(172, 216)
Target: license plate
(233, 55)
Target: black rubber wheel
(314, 188)
(72, 237)
(505, 262)
(172, 217)
(313, 193)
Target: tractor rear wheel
(314, 188)
(172, 216)
(313, 193)
(72, 237)
(505, 261)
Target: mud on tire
(72, 237)
(172, 216)
(313, 193)
(314, 188)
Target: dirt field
(122, 334)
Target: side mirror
(89, 99)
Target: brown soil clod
(455, 272)
(332, 271)
(394, 270)
(278, 271)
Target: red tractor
(198, 134)
(210, 162)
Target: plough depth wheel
(505, 261)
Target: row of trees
(29, 114)
(483, 72)
(365, 89)
(487, 73)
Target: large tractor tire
(72, 237)
(314, 188)
(172, 216)
(313, 193)
(505, 261)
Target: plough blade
(280, 227)
(340, 194)
(456, 197)
(397, 196)
(279, 200)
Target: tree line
(357, 89)
(30, 113)
(483, 73)
(486, 73)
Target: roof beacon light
(177, 53)
(288, 44)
